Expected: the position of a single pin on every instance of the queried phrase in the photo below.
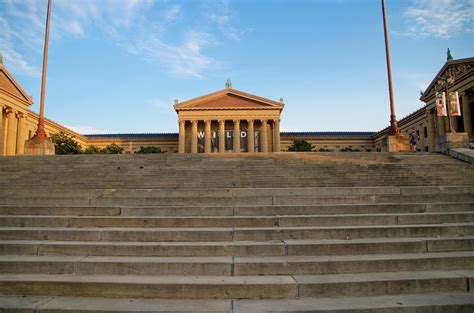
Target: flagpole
(40, 144)
(393, 129)
(41, 133)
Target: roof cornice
(228, 91)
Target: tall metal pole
(393, 130)
(41, 133)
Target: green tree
(65, 144)
(149, 149)
(301, 146)
(112, 149)
(92, 150)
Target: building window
(425, 131)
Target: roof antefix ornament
(228, 84)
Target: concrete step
(83, 248)
(236, 287)
(59, 304)
(166, 287)
(238, 248)
(308, 265)
(232, 201)
(447, 302)
(236, 266)
(236, 221)
(237, 192)
(368, 284)
(238, 234)
(251, 210)
(462, 302)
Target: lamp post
(393, 129)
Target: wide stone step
(235, 266)
(236, 221)
(238, 248)
(439, 302)
(230, 234)
(234, 201)
(237, 192)
(236, 287)
(141, 286)
(367, 284)
(252, 210)
(447, 302)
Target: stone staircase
(318, 232)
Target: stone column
(221, 136)
(441, 126)
(236, 136)
(2, 131)
(431, 131)
(182, 137)
(263, 133)
(194, 138)
(11, 132)
(207, 137)
(466, 114)
(250, 137)
(20, 144)
(276, 135)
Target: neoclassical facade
(229, 120)
(209, 124)
(17, 122)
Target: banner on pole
(454, 107)
(441, 104)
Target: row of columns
(441, 122)
(12, 131)
(437, 125)
(236, 147)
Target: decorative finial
(281, 100)
(449, 56)
(176, 101)
(1, 58)
(228, 84)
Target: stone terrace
(309, 232)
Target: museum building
(230, 121)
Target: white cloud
(137, 26)
(172, 13)
(16, 61)
(185, 58)
(439, 18)
(221, 13)
(86, 130)
(160, 105)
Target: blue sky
(117, 65)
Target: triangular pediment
(456, 69)
(228, 99)
(11, 87)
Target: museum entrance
(229, 137)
